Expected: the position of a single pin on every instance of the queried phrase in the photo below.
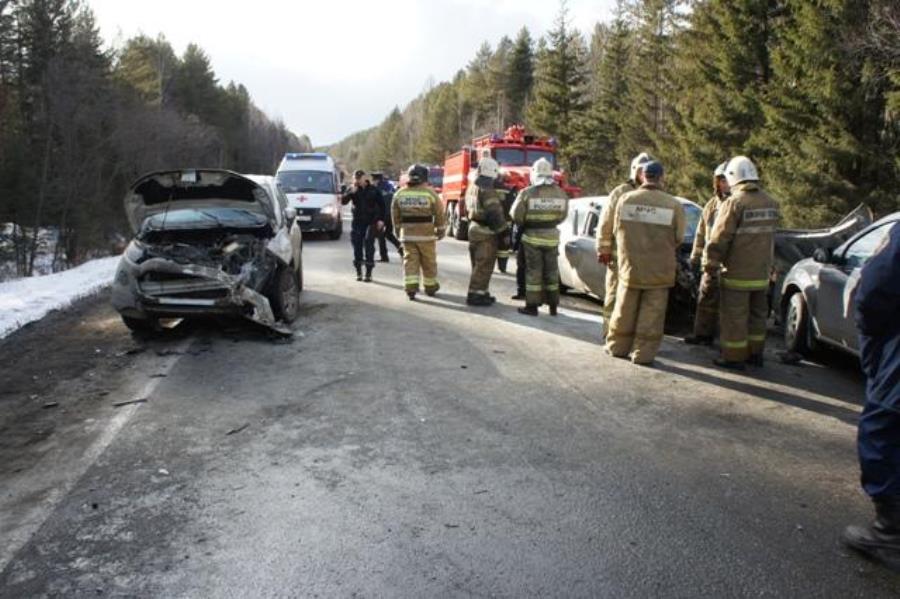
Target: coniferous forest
(810, 89)
(79, 122)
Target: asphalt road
(398, 449)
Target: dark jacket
(387, 194)
(368, 204)
(877, 304)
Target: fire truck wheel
(451, 220)
(462, 230)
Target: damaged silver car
(209, 242)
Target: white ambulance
(312, 183)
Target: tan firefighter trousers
(420, 256)
(707, 316)
(742, 323)
(609, 295)
(637, 323)
(483, 253)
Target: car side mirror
(290, 213)
(822, 255)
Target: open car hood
(793, 245)
(194, 188)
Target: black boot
(384, 259)
(553, 310)
(368, 278)
(478, 299)
(411, 295)
(400, 251)
(520, 295)
(358, 272)
(881, 540)
(699, 340)
(529, 309)
(723, 363)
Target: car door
(835, 323)
(589, 269)
(568, 236)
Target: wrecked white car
(209, 242)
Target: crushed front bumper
(160, 288)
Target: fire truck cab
(515, 150)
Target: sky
(329, 68)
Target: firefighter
(740, 250)
(418, 215)
(505, 251)
(538, 209)
(708, 297)
(487, 227)
(876, 305)
(649, 226)
(606, 241)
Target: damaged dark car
(209, 242)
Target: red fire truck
(515, 151)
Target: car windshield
(535, 155)
(692, 217)
(203, 218)
(863, 248)
(436, 179)
(306, 182)
(509, 157)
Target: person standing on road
(740, 251)
(387, 232)
(487, 228)
(877, 304)
(708, 296)
(368, 219)
(649, 226)
(419, 217)
(538, 209)
(606, 240)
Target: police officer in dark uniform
(368, 220)
(387, 233)
(877, 305)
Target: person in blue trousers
(877, 310)
(368, 220)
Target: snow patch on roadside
(29, 299)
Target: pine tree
(196, 88)
(559, 83)
(521, 75)
(824, 142)
(439, 133)
(598, 129)
(723, 70)
(147, 67)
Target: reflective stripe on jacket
(484, 205)
(417, 214)
(742, 241)
(649, 226)
(705, 227)
(606, 240)
(538, 209)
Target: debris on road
(235, 431)
(119, 404)
(163, 471)
(790, 358)
(159, 375)
(50, 404)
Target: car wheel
(141, 326)
(285, 295)
(452, 220)
(335, 234)
(797, 330)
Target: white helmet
(720, 170)
(740, 169)
(639, 161)
(541, 171)
(488, 167)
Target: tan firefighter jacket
(486, 215)
(743, 240)
(705, 227)
(418, 214)
(649, 226)
(538, 209)
(606, 241)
